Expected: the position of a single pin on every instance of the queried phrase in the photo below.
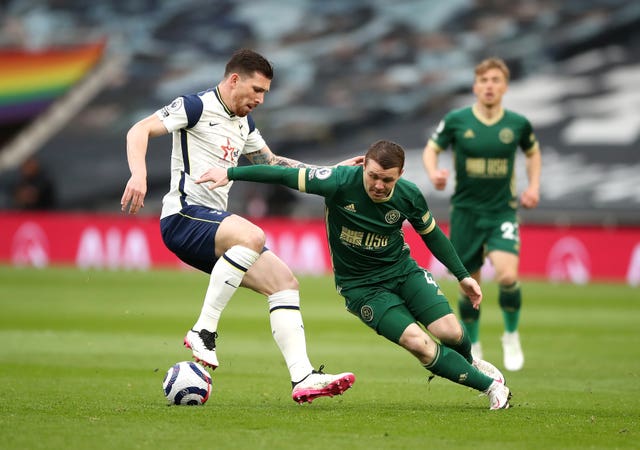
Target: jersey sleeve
(528, 141)
(183, 112)
(442, 137)
(254, 142)
(321, 181)
(420, 217)
(436, 241)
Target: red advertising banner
(574, 254)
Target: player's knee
(418, 343)
(253, 238)
(507, 277)
(452, 336)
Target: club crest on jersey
(175, 105)
(392, 216)
(506, 135)
(366, 312)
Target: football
(187, 383)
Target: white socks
(288, 332)
(226, 277)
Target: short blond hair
(493, 63)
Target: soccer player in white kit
(212, 129)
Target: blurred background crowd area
(346, 74)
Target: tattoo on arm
(287, 162)
(260, 158)
(274, 160)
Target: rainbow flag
(31, 80)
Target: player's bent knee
(235, 230)
(419, 344)
(507, 278)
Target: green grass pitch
(83, 355)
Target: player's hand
(439, 179)
(471, 289)
(216, 175)
(355, 161)
(530, 198)
(134, 193)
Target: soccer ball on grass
(187, 383)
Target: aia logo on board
(569, 261)
(30, 246)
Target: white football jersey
(205, 134)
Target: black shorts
(191, 235)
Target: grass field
(83, 356)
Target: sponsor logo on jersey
(469, 134)
(350, 207)
(506, 135)
(230, 152)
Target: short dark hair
(386, 153)
(247, 62)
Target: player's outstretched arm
(137, 142)
(267, 157)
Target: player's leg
(427, 303)
(510, 300)
(223, 244)
(272, 277)
(385, 312)
(238, 244)
(444, 361)
(468, 240)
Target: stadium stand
(348, 73)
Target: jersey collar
(224, 105)
(478, 115)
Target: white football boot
(499, 395)
(319, 384)
(489, 370)
(203, 345)
(512, 351)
